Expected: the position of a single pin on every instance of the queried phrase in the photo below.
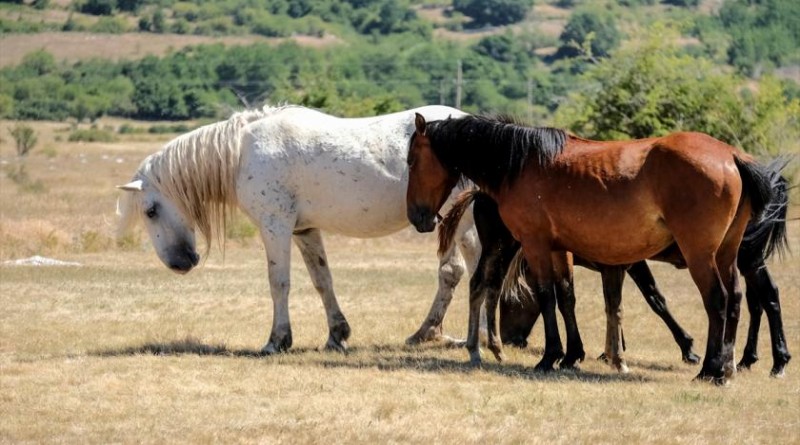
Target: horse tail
(514, 283)
(765, 236)
(755, 185)
(449, 224)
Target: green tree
(653, 89)
(98, 7)
(158, 23)
(493, 12)
(589, 28)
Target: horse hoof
(716, 380)
(335, 346)
(424, 335)
(269, 349)
(691, 358)
(777, 373)
(571, 361)
(622, 368)
(544, 368)
(475, 363)
(569, 366)
(499, 356)
(602, 357)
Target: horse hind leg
(309, 242)
(750, 355)
(613, 278)
(643, 277)
(761, 281)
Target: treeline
(500, 73)
(356, 79)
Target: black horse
(517, 316)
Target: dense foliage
(589, 29)
(204, 81)
(388, 60)
(493, 12)
(764, 32)
(652, 90)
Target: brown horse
(611, 203)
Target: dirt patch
(71, 47)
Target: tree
(24, 137)
(589, 28)
(654, 89)
(98, 7)
(493, 12)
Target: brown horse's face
(429, 183)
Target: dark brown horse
(611, 203)
(761, 240)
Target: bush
(110, 25)
(493, 12)
(24, 138)
(91, 135)
(98, 7)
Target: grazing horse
(294, 171)
(517, 317)
(612, 203)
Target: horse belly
(610, 235)
(360, 209)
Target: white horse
(294, 171)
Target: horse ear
(133, 186)
(419, 121)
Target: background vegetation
(622, 68)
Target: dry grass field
(121, 350)
(74, 46)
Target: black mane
(490, 150)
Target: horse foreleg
(613, 278)
(451, 269)
(565, 297)
(540, 264)
(646, 283)
(488, 279)
(278, 247)
(313, 251)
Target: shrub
(24, 138)
(91, 135)
(493, 12)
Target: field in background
(120, 349)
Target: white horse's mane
(197, 172)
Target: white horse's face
(170, 232)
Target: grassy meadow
(121, 350)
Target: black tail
(449, 224)
(755, 185)
(766, 235)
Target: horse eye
(151, 212)
(410, 161)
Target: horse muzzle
(183, 260)
(423, 219)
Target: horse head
(429, 182)
(169, 230)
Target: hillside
(171, 60)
